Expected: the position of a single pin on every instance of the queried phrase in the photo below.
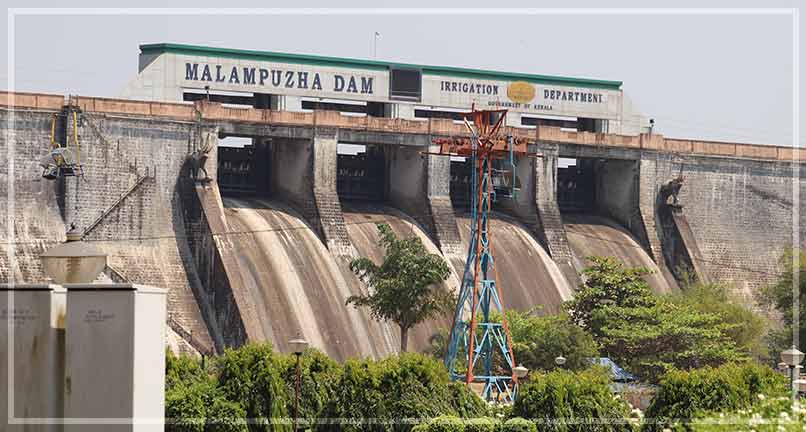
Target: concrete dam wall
(271, 261)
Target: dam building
(302, 83)
(303, 155)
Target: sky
(712, 76)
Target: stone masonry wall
(35, 212)
(141, 228)
(739, 211)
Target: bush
(684, 395)
(567, 401)
(319, 376)
(181, 370)
(518, 424)
(252, 376)
(480, 424)
(446, 424)
(199, 406)
(464, 402)
(394, 391)
(226, 416)
(186, 407)
(538, 340)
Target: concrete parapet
(217, 112)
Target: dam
(260, 250)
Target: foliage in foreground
(254, 382)
(565, 401)
(398, 392)
(404, 288)
(684, 395)
(768, 415)
(193, 401)
(251, 375)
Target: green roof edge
(374, 65)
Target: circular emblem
(521, 92)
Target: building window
(405, 84)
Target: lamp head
(73, 261)
(298, 345)
(792, 357)
(520, 371)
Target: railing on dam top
(429, 127)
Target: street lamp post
(298, 345)
(520, 372)
(792, 357)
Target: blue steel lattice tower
(476, 341)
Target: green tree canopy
(645, 332)
(653, 339)
(404, 288)
(781, 295)
(744, 326)
(538, 340)
(608, 283)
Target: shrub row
(564, 401)
(255, 382)
(478, 424)
(413, 392)
(684, 395)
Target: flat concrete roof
(159, 48)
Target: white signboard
(170, 74)
(281, 78)
(521, 96)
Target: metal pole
(792, 388)
(296, 393)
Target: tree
(608, 283)
(780, 296)
(538, 340)
(404, 288)
(747, 328)
(653, 339)
(645, 332)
